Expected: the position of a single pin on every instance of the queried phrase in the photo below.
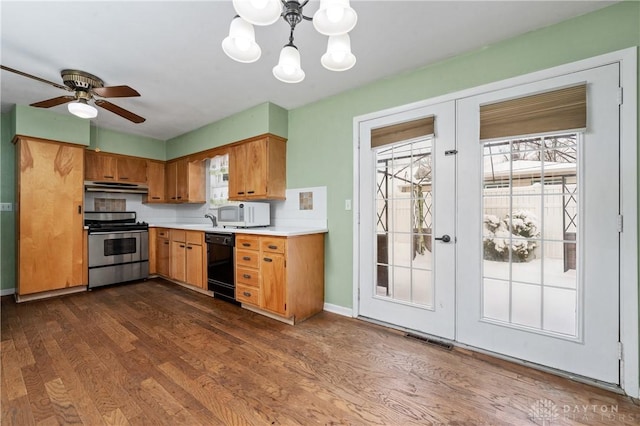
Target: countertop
(280, 231)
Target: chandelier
(334, 18)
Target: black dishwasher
(220, 265)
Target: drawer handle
(246, 258)
(246, 294)
(266, 259)
(251, 192)
(246, 276)
(166, 242)
(240, 193)
(108, 177)
(246, 244)
(272, 247)
(181, 246)
(155, 198)
(123, 178)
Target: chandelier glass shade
(241, 44)
(334, 18)
(82, 109)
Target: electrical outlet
(6, 207)
(347, 204)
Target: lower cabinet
(281, 275)
(188, 257)
(162, 252)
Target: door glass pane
(404, 206)
(530, 233)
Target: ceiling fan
(85, 87)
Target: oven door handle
(132, 231)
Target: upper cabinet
(104, 167)
(155, 180)
(257, 169)
(184, 181)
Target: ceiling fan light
(82, 109)
(258, 12)
(338, 56)
(334, 17)
(288, 69)
(241, 44)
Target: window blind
(402, 131)
(558, 110)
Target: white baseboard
(340, 310)
(7, 291)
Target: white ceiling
(170, 52)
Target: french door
(406, 198)
(508, 245)
(537, 269)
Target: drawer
(247, 242)
(178, 235)
(247, 258)
(248, 276)
(163, 233)
(195, 237)
(246, 294)
(273, 245)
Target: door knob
(445, 238)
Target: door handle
(445, 238)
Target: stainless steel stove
(118, 248)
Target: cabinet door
(274, 285)
(155, 180)
(132, 170)
(171, 174)
(178, 261)
(255, 172)
(50, 215)
(182, 180)
(100, 167)
(163, 254)
(237, 157)
(194, 265)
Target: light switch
(6, 207)
(347, 204)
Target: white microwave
(244, 215)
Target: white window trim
(629, 310)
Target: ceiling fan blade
(42, 80)
(115, 92)
(53, 102)
(120, 111)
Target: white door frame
(629, 312)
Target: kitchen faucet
(214, 221)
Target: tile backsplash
(304, 207)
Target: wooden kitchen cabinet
(188, 257)
(257, 169)
(105, 167)
(50, 236)
(185, 181)
(287, 280)
(162, 252)
(156, 182)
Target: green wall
(320, 145)
(7, 195)
(123, 143)
(263, 118)
(40, 123)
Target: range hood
(132, 188)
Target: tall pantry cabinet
(50, 195)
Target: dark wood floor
(155, 353)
